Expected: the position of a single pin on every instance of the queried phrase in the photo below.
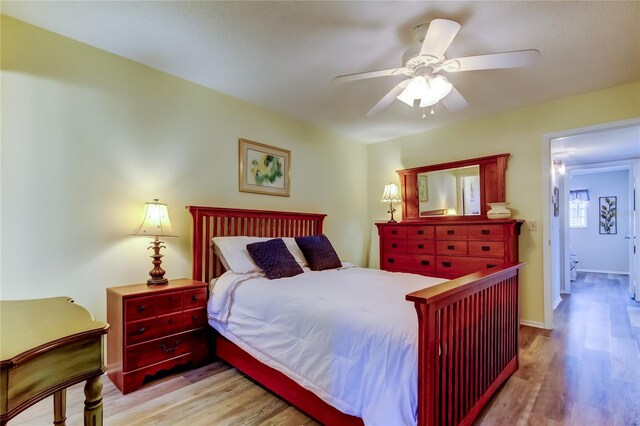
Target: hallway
(584, 371)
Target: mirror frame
(492, 186)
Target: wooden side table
(47, 345)
(155, 328)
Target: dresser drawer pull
(489, 266)
(168, 350)
(420, 246)
(394, 232)
(194, 318)
(450, 232)
(446, 264)
(486, 248)
(194, 298)
(141, 308)
(170, 321)
(390, 260)
(141, 330)
(394, 246)
(424, 262)
(485, 232)
(451, 247)
(420, 231)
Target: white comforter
(348, 335)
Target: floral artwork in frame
(263, 169)
(423, 188)
(608, 215)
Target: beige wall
(88, 137)
(519, 132)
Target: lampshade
(429, 89)
(391, 194)
(155, 222)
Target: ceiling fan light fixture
(439, 87)
(414, 90)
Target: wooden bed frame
(467, 327)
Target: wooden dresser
(154, 328)
(448, 249)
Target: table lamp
(156, 223)
(391, 195)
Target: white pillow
(235, 257)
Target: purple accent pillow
(319, 252)
(274, 258)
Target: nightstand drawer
(451, 247)
(169, 324)
(454, 232)
(194, 298)
(140, 308)
(486, 248)
(140, 331)
(158, 350)
(194, 318)
(169, 302)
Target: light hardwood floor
(584, 372)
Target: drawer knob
(171, 349)
(450, 232)
(446, 264)
(420, 232)
(194, 298)
(141, 308)
(390, 260)
(489, 266)
(394, 232)
(394, 246)
(141, 330)
(424, 262)
(170, 321)
(194, 318)
(420, 246)
(486, 248)
(485, 232)
(451, 247)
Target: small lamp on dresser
(156, 223)
(391, 195)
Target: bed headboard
(209, 222)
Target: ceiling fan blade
(454, 101)
(388, 98)
(517, 59)
(371, 74)
(439, 36)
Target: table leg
(93, 402)
(60, 407)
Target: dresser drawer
(465, 265)
(421, 247)
(140, 308)
(395, 246)
(194, 298)
(486, 232)
(194, 318)
(421, 232)
(157, 350)
(412, 263)
(486, 248)
(453, 232)
(452, 247)
(140, 331)
(169, 324)
(169, 302)
(394, 232)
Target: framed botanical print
(263, 169)
(608, 215)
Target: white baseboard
(602, 272)
(535, 324)
(556, 302)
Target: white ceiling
(283, 55)
(598, 147)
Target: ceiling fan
(425, 86)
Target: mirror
(450, 192)
(456, 190)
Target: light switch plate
(533, 225)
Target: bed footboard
(467, 343)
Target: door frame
(546, 170)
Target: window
(578, 214)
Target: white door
(634, 265)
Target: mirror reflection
(451, 192)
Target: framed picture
(556, 201)
(608, 215)
(423, 188)
(263, 169)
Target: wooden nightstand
(154, 329)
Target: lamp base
(157, 281)
(392, 221)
